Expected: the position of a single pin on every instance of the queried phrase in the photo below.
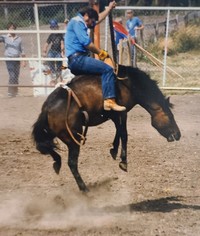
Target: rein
(83, 135)
(112, 37)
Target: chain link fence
(170, 41)
(170, 45)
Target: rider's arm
(45, 49)
(104, 13)
(93, 48)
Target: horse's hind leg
(74, 151)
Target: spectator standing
(13, 49)
(54, 48)
(133, 25)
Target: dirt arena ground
(159, 196)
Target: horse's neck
(126, 94)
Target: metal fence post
(106, 34)
(165, 53)
(38, 36)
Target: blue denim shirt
(76, 36)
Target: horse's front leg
(74, 151)
(114, 150)
(124, 140)
(121, 132)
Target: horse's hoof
(123, 166)
(56, 167)
(113, 153)
(85, 190)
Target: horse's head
(163, 120)
(147, 94)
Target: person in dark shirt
(54, 48)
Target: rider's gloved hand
(103, 55)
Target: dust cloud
(57, 210)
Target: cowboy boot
(110, 104)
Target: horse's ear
(168, 101)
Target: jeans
(82, 64)
(55, 66)
(134, 54)
(13, 68)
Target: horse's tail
(42, 135)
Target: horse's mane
(141, 80)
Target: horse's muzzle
(174, 137)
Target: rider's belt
(77, 54)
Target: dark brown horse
(64, 119)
